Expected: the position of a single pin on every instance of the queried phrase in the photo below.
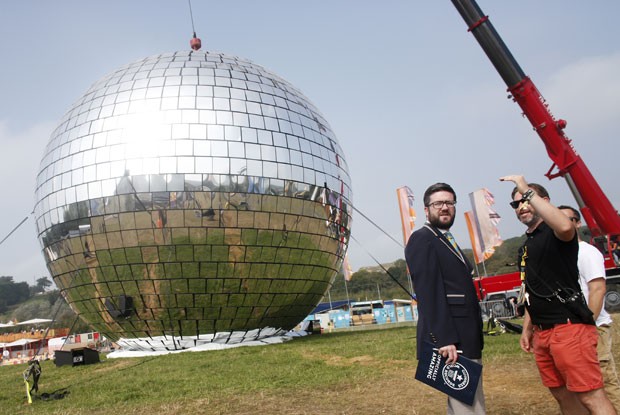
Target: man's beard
(534, 220)
(436, 222)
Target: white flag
(485, 221)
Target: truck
(363, 312)
(596, 209)
(494, 287)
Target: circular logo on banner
(455, 376)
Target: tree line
(389, 281)
(20, 302)
(12, 293)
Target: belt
(549, 326)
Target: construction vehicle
(601, 217)
(492, 286)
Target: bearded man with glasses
(557, 326)
(448, 310)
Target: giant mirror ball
(193, 196)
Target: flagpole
(410, 281)
(477, 270)
(484, 268)
(329, 295)
(346, 289)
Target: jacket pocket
(456, 303)
(456, 299)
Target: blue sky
(409, 93)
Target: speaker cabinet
(76, 357)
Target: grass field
(352, 372)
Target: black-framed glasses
(440, 203)
(515, 203)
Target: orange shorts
(566, 355)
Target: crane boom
(600, 215)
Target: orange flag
(474, 237)
(407, 213)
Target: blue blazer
(448, 308)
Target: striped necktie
(451, 239)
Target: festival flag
(407, 213)
(474, 237)
(346, 268)
(485, 221)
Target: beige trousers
(608, 366)
(456, 407)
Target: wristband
(528, 195)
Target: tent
(24, 344)
(21, 342)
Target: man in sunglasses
(448, 310)
(591, 266)
(561, 336)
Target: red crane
(598, 212)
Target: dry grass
(510, 388)
(362, 372)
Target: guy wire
(382, 267)
(14, 229)
(377, 226)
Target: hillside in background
(373, 282)
(20, 302)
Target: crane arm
(596, 208)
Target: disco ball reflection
(193, 195)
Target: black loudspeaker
(121, 307)
(76, 357)
(62, 358)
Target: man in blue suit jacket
(448, 309)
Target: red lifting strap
(478, 23)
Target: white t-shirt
(591, 265)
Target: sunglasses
(515, 203)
